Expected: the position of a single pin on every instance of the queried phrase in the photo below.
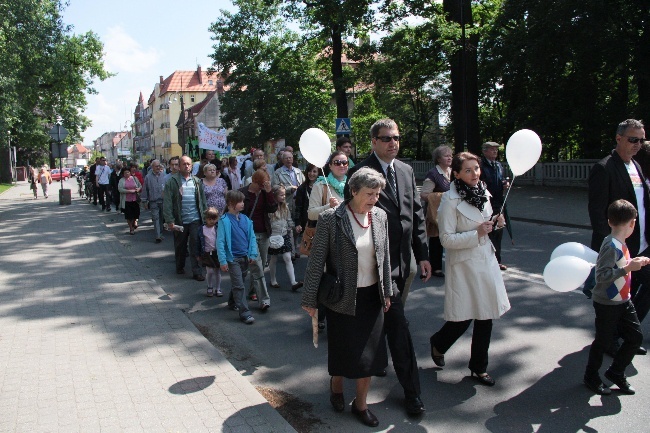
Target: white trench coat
(474, 286)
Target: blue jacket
(224, 239)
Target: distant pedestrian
(615, 312)
(174, 163)
(208, 249)
(129, 188)
(236, 248)
(259, 204)
(291, 178)
(45, 178)
(215, 188)
(93, 180)
(280, 240)
(152, 197)
(234, 173)
(114, 181)
(184, 204)
(102, 181)
(33, 180)
(436, 183)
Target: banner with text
(214, 140)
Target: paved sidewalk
(563, 206)
(88, 343)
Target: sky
(143, 40)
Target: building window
(209, 82)
(192, 98)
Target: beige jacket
(474, 286)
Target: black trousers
(496, 236)
(451, 331)
(435, 253)
(401, 348)
(610, 319)
(641, 296)
(104, 192)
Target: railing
(567, 173)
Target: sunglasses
(339, 162)
(635, 140)
(388, 138)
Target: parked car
(56, 174)
(74, 171)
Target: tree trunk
(5, 165)
(464, 81)
(337, 74)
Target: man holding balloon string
(618, 176)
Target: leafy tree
(412, 95)
(331, 22)
(274, 79)
(570, 71)
(45, 73)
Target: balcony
(164, 106)
(164, 125)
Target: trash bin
(21, 174)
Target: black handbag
(330, 288)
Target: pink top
(130, 184)
(210, 234)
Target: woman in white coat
(474, 288)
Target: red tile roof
(189, 81)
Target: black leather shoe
(621, 381)
(337, 399)
(642, 351)
(414, 406)
(597, 387)
(365, 416)
(439, 360)
(483, 378)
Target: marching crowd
(367, 233)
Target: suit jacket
(609, 181)
(406, 228)
(324, 254)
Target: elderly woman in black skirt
(129, 188)
(351, 242)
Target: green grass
(4, 187)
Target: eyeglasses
(388, 138)
(339, 162)
(635, 140)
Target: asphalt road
(538, 352)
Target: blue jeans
(238, 269)
(156, 209)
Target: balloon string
(327, 183)
(504, 202)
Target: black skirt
(131, 210)
(356, 344)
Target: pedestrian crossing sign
(343, 125)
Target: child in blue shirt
(236, 249)
(612, 302)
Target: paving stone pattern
(88, 343)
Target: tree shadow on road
(558, 402)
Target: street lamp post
(58, 133)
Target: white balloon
(523, 150)
(315, 146)
(575, 249)
(566, 273)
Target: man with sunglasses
(406, 233)
(618, 176)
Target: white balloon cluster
(569, 267)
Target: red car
(56, 176)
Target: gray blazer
(324, 254)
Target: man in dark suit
(618, 176)
(406, 232)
